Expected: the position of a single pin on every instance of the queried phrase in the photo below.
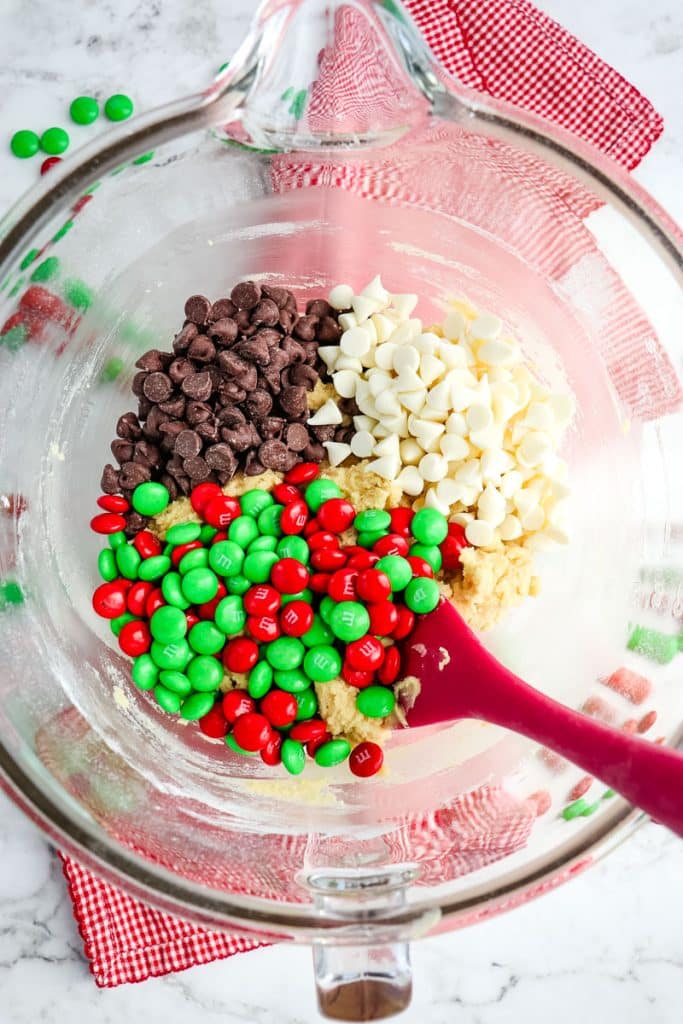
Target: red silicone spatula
(460, 679)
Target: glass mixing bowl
(301, 167)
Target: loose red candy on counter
(319, 582)
(252, 731)
(296, 618)
(49, 163)
(419, 566)
(137, 597)
(383, 618)
(328, 559)
(182, 549)
(280, 708)
(336, 514)
(401, 518)
(392, 544)
(263, 628)
(214, 723)
(294, 517)
(356, 677)
(289, 576)
(366, 759)
(373, 585)
(366, 654)
(43, 303)
(270, 754)
(108, 522)
(406, 623)
(154, 602)
(239, 655)
(285, 494)
(109, 600)
(303, 473)
(146, 544)
(135, 638)
(391, 666)
(237, 703)
(304, 732)
(221, 511)
(342, 585)
(261, 600)
(202, 494)
(113, 503)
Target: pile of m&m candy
(267, 587)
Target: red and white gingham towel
(510, 50)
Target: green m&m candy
(205, 673)
(269, 520)
(322, 663)
(257, 566)
(286, 652)
(174, 655)
(207, 533)
(116, 625)
(54, 141)
(24, 144)
(183, 533)
(304, 595)
(260, 680)
(372, 520)
(321, 490)
(294, 547)
(422, 595)
(198, 558)
(150, 499)
(167, 699)
(429, 526)
(196, 706)
(253, 502)
(154, 568)
(376, 701)
(106, 565)
(206, 638)
(145, 673)
(237, 584)
(230, 616)
(84, 110)
(168, 624)
(293, 756)
(430, 552)
(349, 620)
(118, 107)
(332, 753)
(243, 530)
(128, 561)
(327, 606)
(307, 703)
(292, 680)
(319, 633)
(398, 570)
(117, 539)
(226, 558)
(368, 538)
(266, 543)
(171, 588)
(200, 585)
(176, 682)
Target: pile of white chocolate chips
(451, 415)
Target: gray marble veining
(609, 946)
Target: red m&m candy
(284, 494)
(280, 708)
(392, 544)
(137, 597)
(237, 703)
(342, 585)
(135, 638)
(113, 503)
(289, 576)
(252, 731)
(239, 655)
(202, 494)
(270, 754)
(383, 618)
(373, 585)
(221, 511)
(214, 723)
(365, 654)
(261, 600)
(336, 514)
(296, 618)
(263, 628)
(146, 544)
(366, 759)
(109, 600)
(303, 473)
(390, 668)
(294, 517)
(405, 624)
(108, 522)
(401, 518)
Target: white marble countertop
(609, 946)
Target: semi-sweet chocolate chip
(246, 294)
(157, 387)
(197, 309)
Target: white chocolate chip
(432, 500)
(479, 533)
(336, 452)
(405, 333)
(404, 304)
(539, 416)
(456, 424)
(376, 290)
(491, 506)
(347, 321)
(452, 356)
(497, 353)
(535, 445)
(410, 452)
(413, 400)
(427, 343)
(362, 422)
(369, 328)
(410, 480)
(383, 326)
(328, 414)
(479, 417)
(406, 357)
(431, 369)
(454, 447)
(486, 326)
(448, 491)
(386, 467)
(384, 355)
(363, 444)
(389, 446)
(341, 296)
(407, 380)
(329, 355)
(510, 528)
(349, 363)
(439, 397)
(534, 519)
(345, 383)
(364, 307)
(379, 381)
(454, 325)
(425, 430)
(433, 467)
(386, 404)
(355, 342)
(397, 424)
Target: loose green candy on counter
(206, 638)
(430, 552)
(292, 680)
(183, 533)
(372, 520)
(253, 502)
(84, 110)
(24, 144)
(168, 624)
(319, 633)
(422, 595)
(230, 616)
(171, 588)
(237, 585)
(659, 647)
(304, 595)
(321, 490)
(332, 753)
(398, 570)
(232, 743)
(145, 673)
(322, 663)
(196, 706)
(207, 533)
(128, 560)
(154, 568)
(260, 680)
(46, 270)
(349, 621)
(54, 141)
(293, 756)
(173, 655)
(116, 625)
(429, 526)
(197, 558)
(269, 520)
(243, 530)
(29, 258)
(286, 652)
(118, 107)
(376, 701)
(205, 673)
(577, 809)
(176, 682)
(308, 704)
(11, 592)
(368, 538)
(78, 294)
(200, 585)
(150, 499)
(266, 543)
(226, 558)
(294, 547)
(112, 369)
(117, 539)
(327, 606)
(106, 565)
(167, 700)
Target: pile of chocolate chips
(232, 395)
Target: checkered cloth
(513, 52)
